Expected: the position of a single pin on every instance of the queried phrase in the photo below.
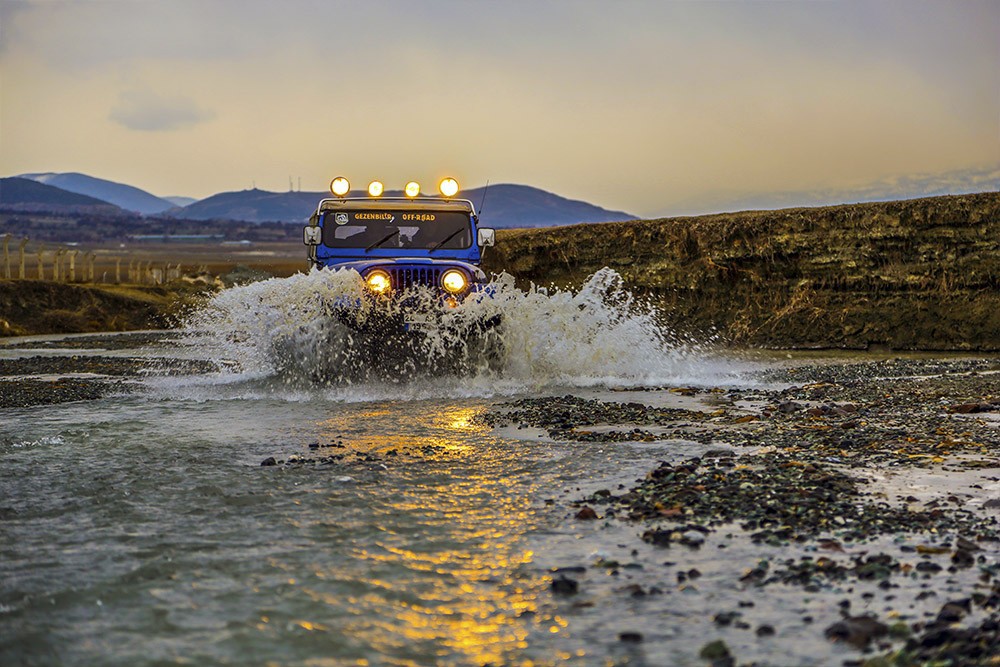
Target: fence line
(60, 264)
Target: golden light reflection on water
(446, 576)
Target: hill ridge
(122, 195)
(910, 274)
(25, 194)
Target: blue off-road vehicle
(418, 258)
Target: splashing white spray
(599, 335)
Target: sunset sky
(648, 107)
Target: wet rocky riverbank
(823, 511)
(80, 368)
(872, 488)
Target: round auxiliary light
(454, 281)
(448, 187)
(375, 189)
(340, 186)
(412, 189)
(378, 281)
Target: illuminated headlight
(412, 189)
(340, 186)
(448, 187)
(378, 281)
(375, 189)
(454, 281)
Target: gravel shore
(829, 465)
(61, 374)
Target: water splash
(296, 331)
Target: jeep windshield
(402, 229)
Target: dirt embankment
(39, 307)
(917, 274)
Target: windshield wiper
(448, 238)
(381, 240)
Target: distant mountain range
(506, 205)
(180, 201)
(123, 196)
(27, 195)
(525, 206)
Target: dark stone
(715, 651)
(563, 585)
(659, 538)
(858, 631)
(963, 558)
(953, 611)
(937, 637)
(966, 545)
(635, 590)
(718, 454)
(726, 618)
(269, 461)
(950, 614)
(765, 631)
(630, 637)
(586, 514)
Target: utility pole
(118, 270)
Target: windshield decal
(398, 230)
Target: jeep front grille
(404, 278)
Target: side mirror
(312, 235)
(486, 237)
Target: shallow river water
(142, 529)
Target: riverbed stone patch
(786, 467)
